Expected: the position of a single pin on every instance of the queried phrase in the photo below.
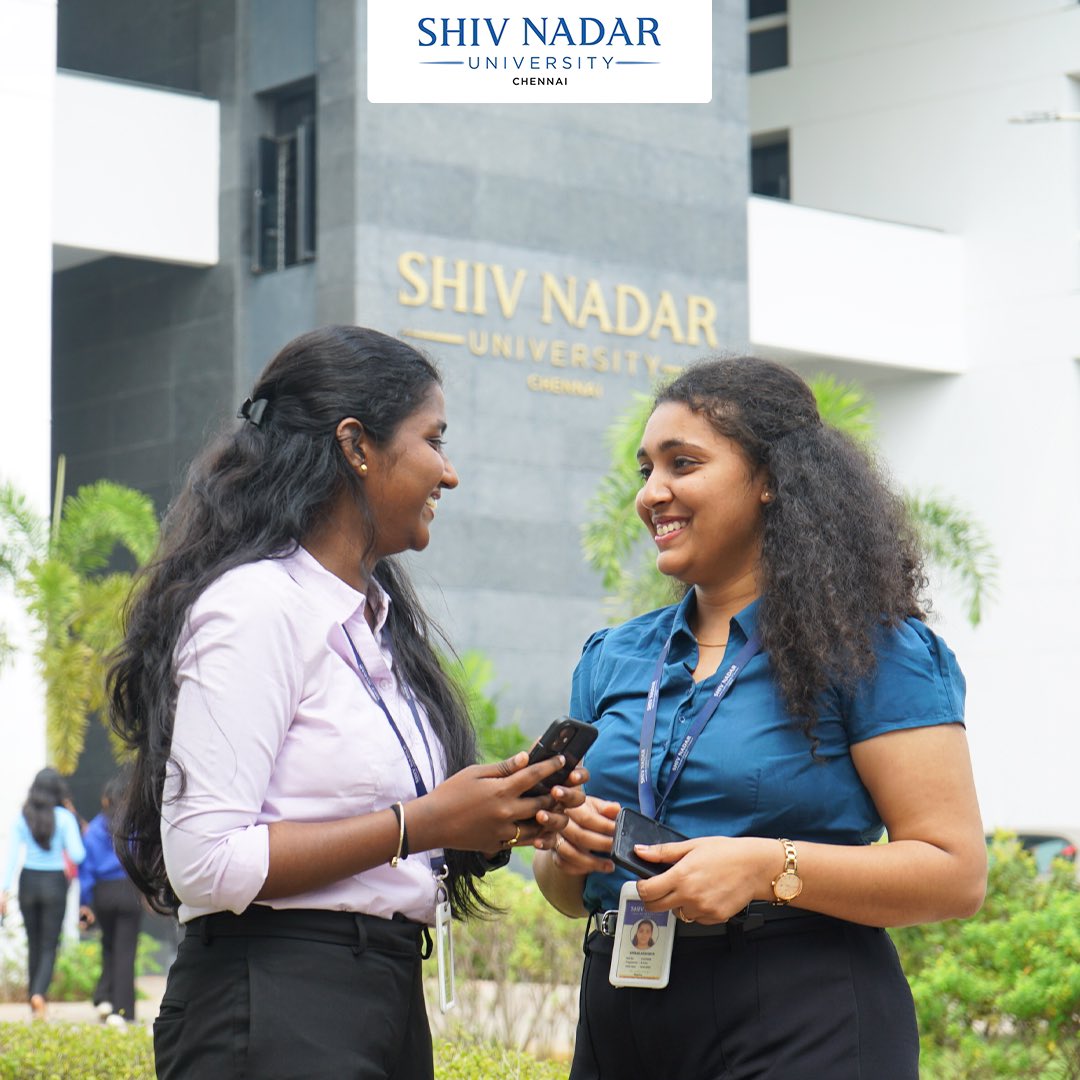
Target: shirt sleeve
(917, 683)
(88, 868)
(70, 835)
(582, 696)
(238, 688)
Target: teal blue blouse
(751, 772)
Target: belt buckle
(607, 922)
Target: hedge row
(90, 1052)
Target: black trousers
(310, 995)
(119, 913)
(808, 998)
(42, 899)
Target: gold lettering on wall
(619, 310)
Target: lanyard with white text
(444, 942)
(373, 693)
(646, 794)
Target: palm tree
(58, 570)
(615, 544)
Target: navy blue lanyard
(646, 793)
(373, 693)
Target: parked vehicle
(1049, 843)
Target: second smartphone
(571, 738)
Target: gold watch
(787, 885)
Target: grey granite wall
(652, 197)
(574, 205)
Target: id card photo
(643, 943)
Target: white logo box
(539, 53)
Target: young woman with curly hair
(843, 719)
(304, 781)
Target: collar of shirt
(683, 642)
(337, 597)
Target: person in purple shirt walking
(109, 899)
(47, 834)
(304, 793)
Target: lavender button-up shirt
(274, 724)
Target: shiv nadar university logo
(606, 53)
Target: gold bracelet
(399, 813)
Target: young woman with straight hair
(304, 790)
(45, 834)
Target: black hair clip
(252, 411)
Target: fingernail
(542, 817)
(562, 759)
(558, 792)
(610, 868)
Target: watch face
(787, 886)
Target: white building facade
(967, 331)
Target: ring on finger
(680, 916)
(515, 838)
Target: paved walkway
(146, 1007)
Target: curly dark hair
(839, 556)
(254, 493)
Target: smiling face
(700, 499)
(405, 478)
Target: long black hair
(47, 792)
(254, 493)
(839, 557)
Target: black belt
(756, 914)
(352, 928)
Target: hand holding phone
(633, 828)
(571, 738)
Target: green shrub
(517, 973)
(91, 1052)
(489, 1061)
(998, 995)
(74, 1052)
(78, 967)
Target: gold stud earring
(766, 496)
(363, 466)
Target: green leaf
(957, 544)
(74, 608)
(845, 406)
(102, 516)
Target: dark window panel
(757, 9)
(768, 49)
(770, 169)
(284, 199)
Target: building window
(770, 165)
(768, 40)
(284, 198)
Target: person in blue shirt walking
(45, 831)
(789, 710)
(109, 898)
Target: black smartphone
(571, 738)
(633, 828)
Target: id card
(644, 941)
(444, 951)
